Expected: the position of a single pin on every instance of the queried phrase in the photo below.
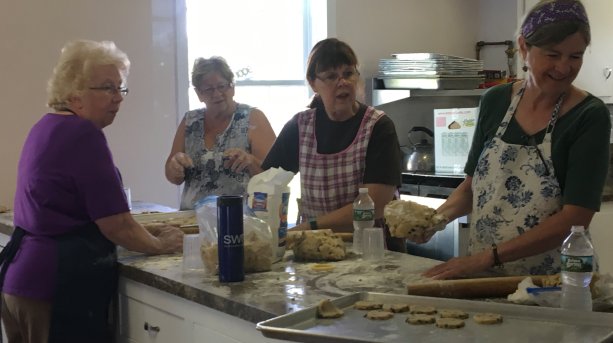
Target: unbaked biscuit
(449, 323)
(326, 309)
(396, 308)
(449, 313)
(419, 319)
(367, 305)
(378, 315)
(488, 318)
(421, 309)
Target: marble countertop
(288, 287)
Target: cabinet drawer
(143, 323)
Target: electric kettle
(420, 156)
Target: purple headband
(551, 13)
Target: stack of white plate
(430, 71)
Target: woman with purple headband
(539, 157)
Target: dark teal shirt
(580, 144)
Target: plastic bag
(269, 199)
(257, 239)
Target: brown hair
(327, 54)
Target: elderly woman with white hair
(59, 271)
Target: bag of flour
(268, 199)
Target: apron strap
(6, 257)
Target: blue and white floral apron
(515, 189)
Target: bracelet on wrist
(313, 224)
(497, 262)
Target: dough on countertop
(154, 227)
(326, 309)
(318, 245)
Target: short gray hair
(76, 62)
(204, 66)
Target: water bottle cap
(363, 190)
(577, 228)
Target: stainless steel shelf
(382, 95)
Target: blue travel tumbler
(230, 238)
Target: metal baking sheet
(520, 323)
(434, 83)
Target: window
(269, 41)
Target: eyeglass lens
(220, 88)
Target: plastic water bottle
(577, 266)
(363, 217)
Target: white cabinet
(596, 75)
(172, 319)
(602, 235)
(146, 323)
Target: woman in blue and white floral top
(218, 148)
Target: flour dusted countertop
(288, 287)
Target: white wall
(601, 231)
(498, 23)
(377, 29)
(32, 33)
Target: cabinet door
(142, 323)
(598, 58)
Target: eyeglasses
(112, 90)
(220, 88)
(332, 78)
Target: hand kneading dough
(378, 315)
(407, 219)
(319, 245)
(326, 309)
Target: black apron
(86, 282)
